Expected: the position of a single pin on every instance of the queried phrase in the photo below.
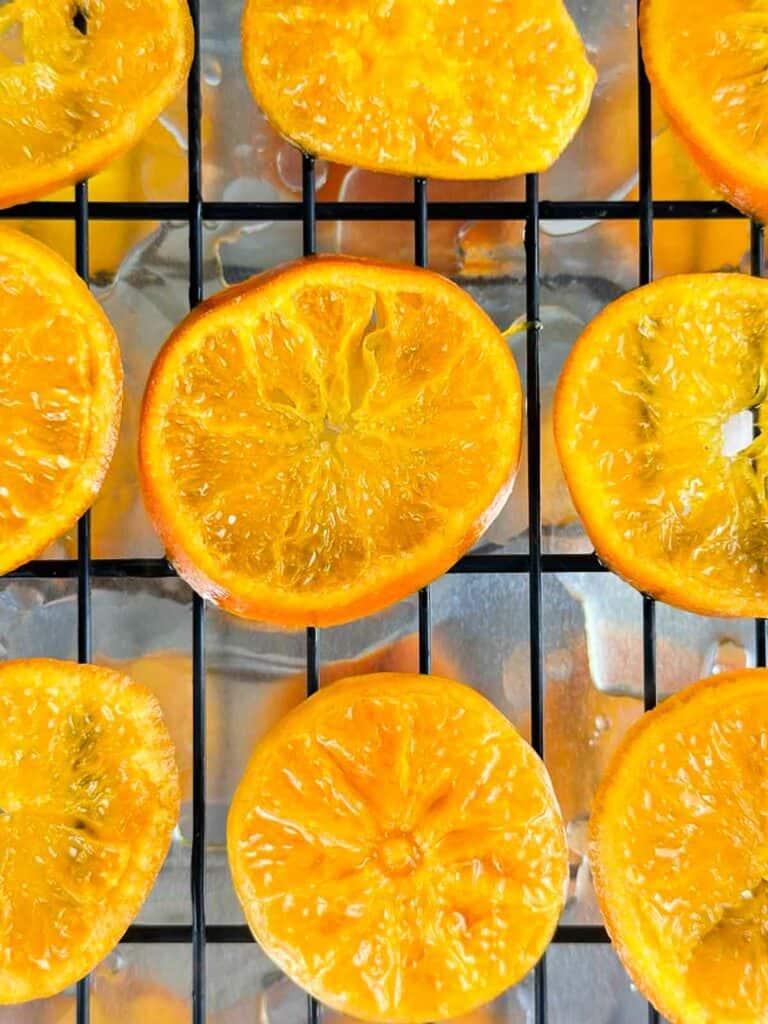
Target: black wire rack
(308, 211)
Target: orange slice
(397, 848)
(653, 428)
(459, 90)
(322, 440)
(679, 851)
(707, 68)
(89, 796)
(60, 395)
(97, 73)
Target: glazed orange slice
(679, 852)
(459, 90)
(653, 425)
(397, 848)
(89, 797)
(60, 395)
(96, 73)
(322, 440)
(707, 69)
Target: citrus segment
(324, 439)
(397, 848)
(679, 852)
(449, 90)
(654, 431)
(60, 394)
(97, 74)
(707, 68)
(88, 800)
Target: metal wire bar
(649, 653)
(756, 263)
(313, 661)
(231, 934)
(222, 210)
(309, 248)
(161, 568)
(198, 861)
(645, 275)
(198, 864)
(533, 423)
(84, 610)
(425, 631)
(83, 563)
(308, 205)
(532, 291)
(421, 259)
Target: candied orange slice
(679, 852)
(653, 427)
(450, 90)
(89, 797)
(397, 848)
(707, 67)
(96, 73)
(60, 395)
(322, 440)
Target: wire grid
(420, 211)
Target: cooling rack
(308, 212)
